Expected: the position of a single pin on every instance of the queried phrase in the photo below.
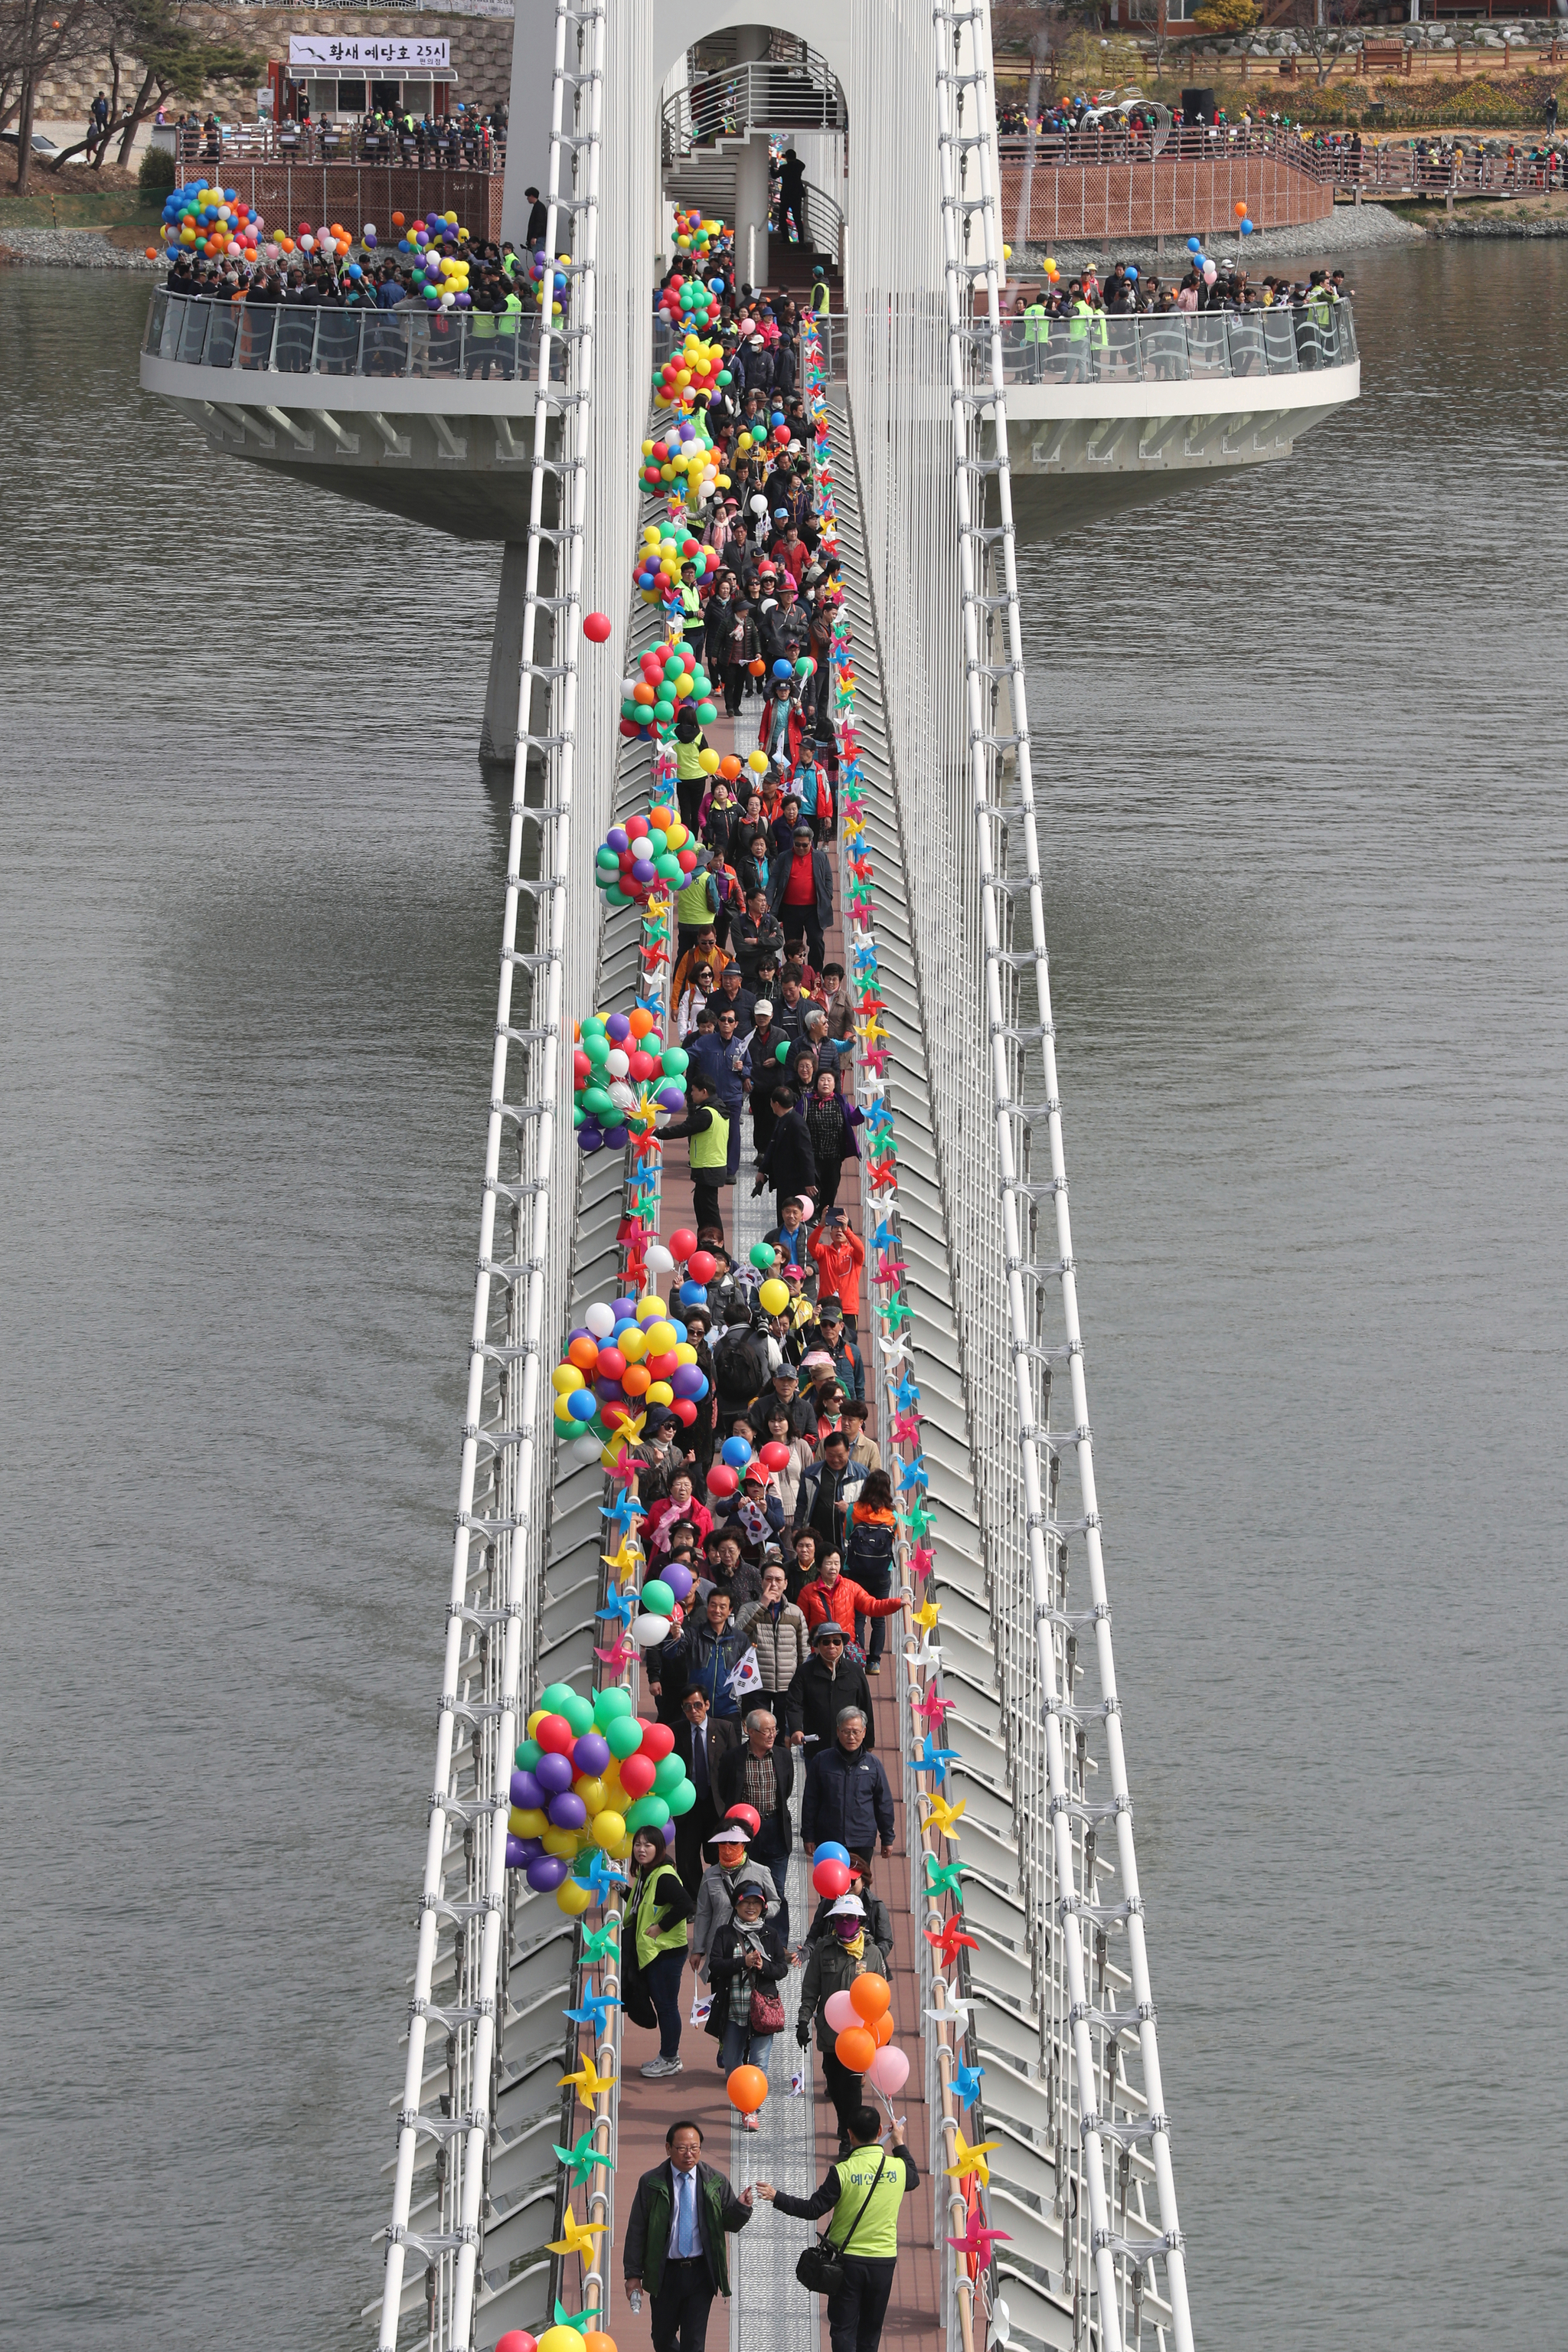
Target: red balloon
(640, 1066)
(687, 860)
(658, 1740)
(637, 1774)
(749, 1814)
(610, 1365)
(582, 1067)
(663, 1368)
(596, 627)
(685, 1411)
(701, 1267)
(555, 1736)
(682, 1244)
(722, 1479)
(516, 2339)
(831, 1878)
(630, 727)
(774, 1455)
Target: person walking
(879, 1918)
(788, 1164)
(703, 1742)
(825, 1686)
(863, 2191)
(832, 1966)
(870, 1538)
(681, 2213)
(708, 1151)
(716, 1896)
(760, 1773)
(782, 1640)
(657, 1909)
(800, 892)
(848, 1799)
(748, 1959)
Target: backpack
(741, 1365)
(869, 1547)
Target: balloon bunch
(667, 675)
(1244, 221)
(691, 373)
(555, 273)
(427, 229)
(1208, 269)
(564, 2336)
(589, 1775)
(625, 1355)
(646, 857)
(683, 463)
(862, 2016)
(623, 1076)
(209, 222)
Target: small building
(351, 75)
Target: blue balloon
(1246, 228)
(354, 269)
(1132, 273)
(228, 196)
(830, 1851)
(691, 1294)
(716, 286)
(1194, 245)
(582, 1404)
(736, 1453)
(783, 669)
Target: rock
(68, 248)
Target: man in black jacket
(826, 1685)
(752, 934)
(789, 1163)
(800, 892)
(847, 1799)
(675, 2240)
(826, 1490)
(784, 1389)
(703, 1743)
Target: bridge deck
(770, 2312)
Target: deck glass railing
(1177, 346)
(287, 339)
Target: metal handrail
(350, 142)
(994, 650)
(286, 339)
(1176, 346)
(762, 94)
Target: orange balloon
(398, 221)
(748, 2087)
(870, 1997)
(595, 2340)
(883, 2029)
(664, 818)
(855, 2048)
(639, 1022)
(756, 668)
(583, 1353)
(730, 767)
(1241, 211)
(637, 1380)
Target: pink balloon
(841, 2012)
(889, 2071)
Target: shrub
(156, 176)
(1227, 16)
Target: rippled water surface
(1307, 856)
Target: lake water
(1307, 849)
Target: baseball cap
(755, 1471)
(826, 1632)
(830, 1311)
(848, 1906)
(763, 1004)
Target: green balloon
(682, 1798)
(554, 1695)
(664, 711)
(725, 376)
(658, 1600)
(673, 1061)
(607, 858)
(594, 1026)
(707, 712)
(611, 1703)
(613, 897)
(579, 1713)
(780, 1051)
(761, 1253)
(673, 668)
(528, 1751)
(595, 1044)
(668, 1776)
(667, 868)
(579, 1115)
(596, 1103)
(649, 1812)
(625, 1736)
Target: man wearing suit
(675, 2240)
(761, 1774)
(702, 1742)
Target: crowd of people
(468, 139)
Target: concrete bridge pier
(503, 719)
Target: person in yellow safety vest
(1320, 312)
(1037, 335)
(821, 295)
(864, 2191)
(709, 1148)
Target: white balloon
(370, 228)
(617, 1063)
(600, 1319)
(649, 1631)
(658, 1260)
(583, 1449)
(623, 1096)
(642, 847)
(759, 504)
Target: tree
(36, 35)
(1314, 33)
(156, 54)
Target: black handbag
(821, 2267)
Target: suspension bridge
(1022, 1969)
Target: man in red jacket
(840, 1255)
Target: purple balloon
(680, 1580)
(515, 1856)
(567, 1811)
(671, 1098)
(530, 1846)
(526, 1792)
(669, 1833)
(591, 1754)
(616, 839)
(609, 1393)
(554, 1774)
(589, 1138)
(545, 1873)
(643, 871)
(624, 1310)
(616, 1138)
(689, 1381)
(618, 1027)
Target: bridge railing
(763, 94)
(199, 151)
(1176, 346)
(287, 339)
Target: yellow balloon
(563, 1843)
(685, 1353)
(609, 1829)
(758, 762)
(621, 1852)
(708, 761)
(772, 1298)
(660, 1392)
(650, 1308)
(592, 1794)
(554, 2340)
(528, 1820)
(677, 836)
(660, 1335)
(564, 1378)
(573, 1897)
(536, 1719)
(633, 1346)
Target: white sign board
(352, 53)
